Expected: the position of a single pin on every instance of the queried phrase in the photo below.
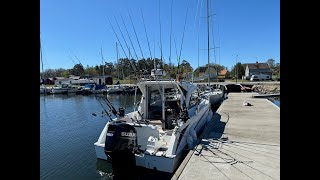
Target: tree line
(129, 68)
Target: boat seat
(155, 122)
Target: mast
(42, 78)
(208, 42)
(170, 38)
(102, 63)
(161, 55)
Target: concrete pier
(241, 142)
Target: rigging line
(184, 28)
(252, 147)
(175, 44)
(229, 162)
(251, 151)
(216, 167)
(250, 159)
(145, 29)
(259, 171)
(215, 155)
(129, 37)
(243, 136)
(195, 17)
(252, 143)
(246, 164)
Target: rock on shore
(266, 88)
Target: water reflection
(67, 133)
(104, 169)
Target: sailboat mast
(42, 77)
(208, 43)
(102, 63)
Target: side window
(193, 99)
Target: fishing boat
(169, 119)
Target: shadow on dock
(215, 128)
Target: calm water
(275, 100)
(67, 133)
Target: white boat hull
(158, 161)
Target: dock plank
(241, 142)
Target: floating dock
(265, 95)
(241, 142)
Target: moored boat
(168, 120)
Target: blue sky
(242, 30)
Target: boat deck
(241, 142)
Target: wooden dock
(241, 142)
(265, 95)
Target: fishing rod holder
(121, 111)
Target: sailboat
(214, 94)
(43, 89)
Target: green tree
(237, 71)
(77, 70)
(91, 71)
(271, 63)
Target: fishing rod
(121, 45)
(112, 109)
(145, 63)
(134, 70)
(140, 68)
(145, 29)
(108, 114)
(129, 37)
